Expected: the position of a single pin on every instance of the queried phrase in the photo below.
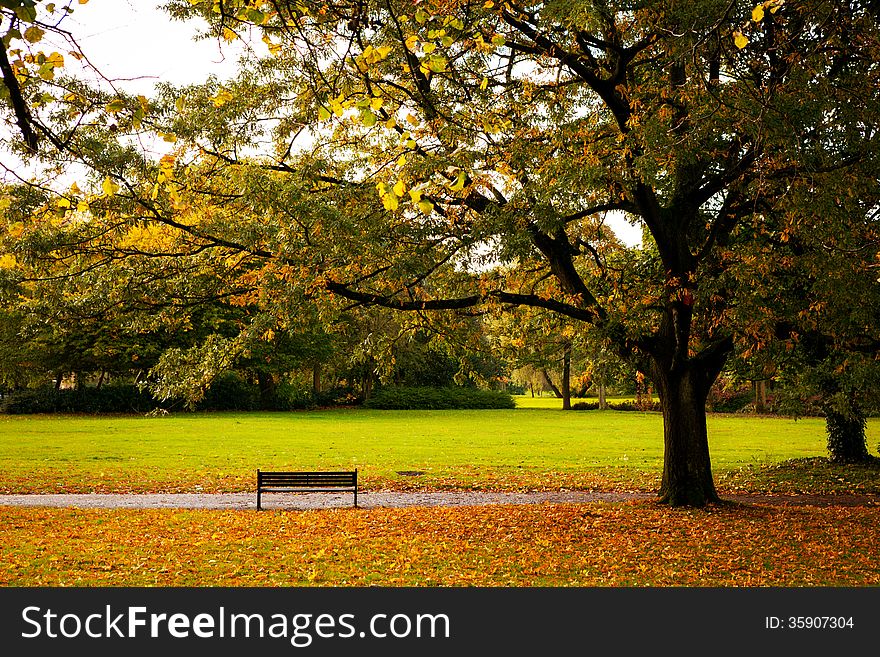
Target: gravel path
(367, 499)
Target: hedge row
(439, 399)
(227, 393)
(108, 399)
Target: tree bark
(847, 442)
(603, 402)
(550, 384)
(687, 469)
(760, 396)
(566, 377)
(316, 378)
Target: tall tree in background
(395, 153)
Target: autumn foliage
(634, 544)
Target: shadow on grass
(807, 476)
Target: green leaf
(115, 106)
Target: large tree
(443, 155)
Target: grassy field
(630, 544)
(504, 449)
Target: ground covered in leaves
(626, 544)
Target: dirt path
(367, 499)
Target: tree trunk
(266, 385)
(687, 469)
(760, 396)
(316, 379)
(367, 385)
(603, 403)
(566, 377)
(846, 435)
(549, 382)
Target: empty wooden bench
(306, 482)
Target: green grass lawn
(502, 449)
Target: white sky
(137, 44)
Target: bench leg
(258, 500)
(355, 498)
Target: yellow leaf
(82, 206)
(109, 187)
(376, 103)
(323, 113)
(484, 84)
(428, 48)
(426, 206)
(63, 203)
(740, 40)
(758, 14)
(222, 97)
(399, 188)
(390, 202)
(412, 41)
(7, 261)
(458, 185)
(33, 34)
(415, 195)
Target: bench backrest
(306, 479)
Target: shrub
(729, 401)
(108, 399)
(439, 399)
(229, 392)
(618, 406)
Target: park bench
(306, 482)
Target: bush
(439, 399)
(108, 399)
(617, 406)
(729, 401)
(229, 392)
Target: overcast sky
(137, 42)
